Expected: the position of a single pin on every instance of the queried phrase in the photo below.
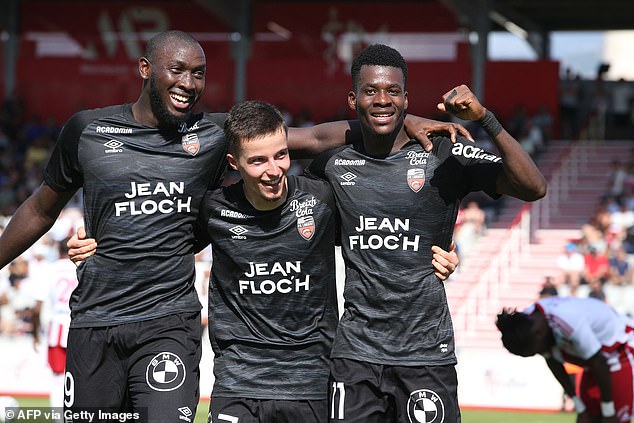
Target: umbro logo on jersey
(113, 146)
(186, 413)
(238, 232)
(415, 179)
(191, 144)
(348, 178)
(426, 406)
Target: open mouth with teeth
(383, 117)
(180, 101)
(272, 185)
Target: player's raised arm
(521, 178)
(310, 141)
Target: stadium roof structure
(532, 20)
(533, 15)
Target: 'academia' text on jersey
(272, 294)
(393, 210)
(142, 189)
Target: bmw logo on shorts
(425, 406)
(165, 372)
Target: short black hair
(516, 328)
(163, 39)
(377, 55)
(250, 120)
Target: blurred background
(557, 73)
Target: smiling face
(175, 77)
(263, 163)
(380, 100)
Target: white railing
(484, 294)
(561, 182)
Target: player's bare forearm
(559, 371)
(310, 141)
(521, 177)
(30, 221)
(601, 372)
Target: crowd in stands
(602, 257)
(602, 260)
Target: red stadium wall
(76, 55)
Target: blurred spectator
(570, 264)
(470, 225)
(517, 121)
(549, 288)
(531, 139)
(19, 301)
(596, 267)
(622, 97)
(600, 102)
(543, 120)
(622, 219)
(617, 177)
(620, 270)
(597, 292)
(569, 105)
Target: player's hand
(80, 247)
(462, 103)
(421, 128)
(444, 262)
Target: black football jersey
(142, 189)
(392, 211)
(272, 293)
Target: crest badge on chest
(416, 179)
(191, 144)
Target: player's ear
(233, 162)
(144, 68)
(352, 100)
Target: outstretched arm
(310, 141)
(30, 221)
(521, 178)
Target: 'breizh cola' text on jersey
(272, 295)
(392, 211)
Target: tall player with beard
(134, 342)
(393, 356)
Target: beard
(165, 118)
